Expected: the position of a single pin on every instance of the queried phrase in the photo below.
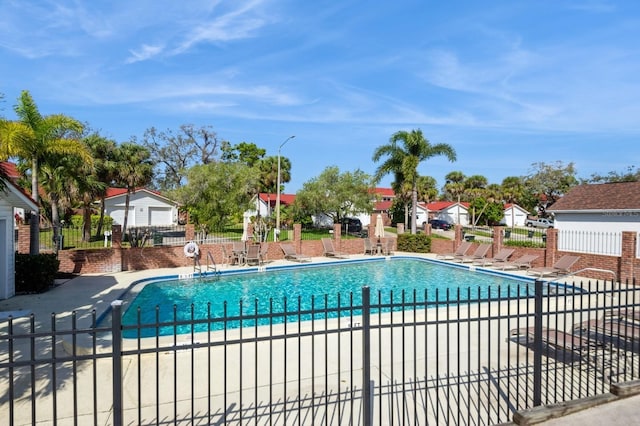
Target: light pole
(276, 234)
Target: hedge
(35, 273)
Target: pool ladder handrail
(211, 267)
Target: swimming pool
(320, 285)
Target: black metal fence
(411, 358)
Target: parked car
(440, 224)
(351, 225)
(539, 223)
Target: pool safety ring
(191, 249)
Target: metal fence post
(366, 357)
(116, 333)
(537, 346)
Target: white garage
(146, 208)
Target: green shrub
(35, 274)
(414, 243)
(524, 243)
(77, 221)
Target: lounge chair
(462, 250)
(502, 256)
(290, 253)
(558, 339)
(479, 254)
(329, 251)
(369, 248)
(523, 262)
(610, 328)
(561, 267)
(264, 250)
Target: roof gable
(16, 197)
(604, 196)
(270, 199)
(121, 192)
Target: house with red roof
(146, 208)
(265, 204)
(452, 212)
(12, 200)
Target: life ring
(191, 249)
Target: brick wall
(626, 267)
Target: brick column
(627, 257)
(337, 235)
(400, 227)
(116, 236)
(427, 228)
(457, 235)
(498, 239)
(551, 253)
(371, 230)
(189, 232)
(297, 237)
(24, 238)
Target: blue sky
(505, 83)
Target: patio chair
(227, 258)
(387, 247)
(290, 253)
(462, 250)
(252, 255)
(329, 251)
(523, 262)
(561, 267)
(479, 254)
(502, 256)
(239, 251)
(369, 248)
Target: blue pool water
(302, 286)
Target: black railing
(452, 358)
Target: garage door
(160, 216)
(118, 216)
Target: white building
(146, 208)
(591, 218)
(11, 198)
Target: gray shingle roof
(605, 196)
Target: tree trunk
(101, 221)
(414, 203)
(34, 224)
(126, 211)
(86, 224)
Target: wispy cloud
(145, 52)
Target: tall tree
(34, 137)
(105, 173)
(336, 195)
(216, 192)
(406, 158)
(173, 153)
(548, 182)
(135, 169)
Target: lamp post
(276, 234)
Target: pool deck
(86, 293)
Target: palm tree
(34, 137)
(104, 174)
(135, 169)
(406, 158)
